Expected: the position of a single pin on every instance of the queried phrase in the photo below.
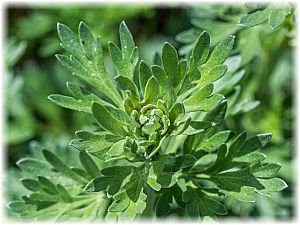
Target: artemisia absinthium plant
(161, 138)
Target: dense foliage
(161, 138)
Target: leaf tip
(123, 24)
(51, 97)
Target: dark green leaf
(234, 181)
(31, 184)
(89, 164)
(200, 205)
(106, 120)
(126, 84)
(176, 112)
(255, 143)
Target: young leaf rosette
(135, 119)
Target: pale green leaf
(201, 50)
(219, 54)
(61, 166)
(273, 184)
(170, 64)
(265, 170)
(214, 142)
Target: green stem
(195, 176)
(157, 149)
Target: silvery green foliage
(161, 138)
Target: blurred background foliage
(265, 89)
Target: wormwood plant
(163, 148)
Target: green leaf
(266, 170)
(125, 185)
(151, 91)
(126, 58)
(201, 50)
(86, 60)
(94, 143)
(34, 167)
(62, 167)
(222, 151)
(126, 40)
(64, 193)
(164, 204)
(189, 82)
(47, 185)
(192, 103)
(273, 184)
(214, 142)
(116, 56)
(243, 107)
(196, 127)
(217, 114)
(251, 157)
(176, 112)
(253, 19)
(255, 143)
(21, 207)
(145, 73)
(111, 179)
(117, 148)
(275, 14)
(170, 64)
(89, 164)
(276, 18)
(82, 102)
(243, 196)
(68, 39)
(31, 185)
(234, 181)
(202, 100)
(158, 178)
(200, 205)
(126, 84)
(106, 120)
(235, 146)
(126, 209)
(161, 76)
(177, 163)
(86, 40)
(214, 74)
(219, 54)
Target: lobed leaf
(106, 120)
